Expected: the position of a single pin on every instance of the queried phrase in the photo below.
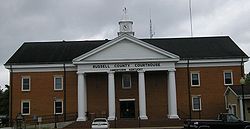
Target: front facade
(125, 78)
(235, 101)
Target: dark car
(224, 121)
(4, 119)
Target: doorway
(127, 109)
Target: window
(228, 78)
(195, 79)
(58, 106)
(126, 81)
(196, 102)
(26, 83)
(233, 109)
(25, 107)
(58, 83)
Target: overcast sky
(56, 20)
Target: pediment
(125, 47)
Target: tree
(247, 82)
(4, 101)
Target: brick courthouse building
(126, 77)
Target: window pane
(195, 79)
(228, 79)
(26, 107)
(227, 75)
(126, 80)
(58, 106)
(26, 84)
(196, 103)
(58, 83)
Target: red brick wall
(156, 94)
(97, 93)
(211, 90)
(42, 92)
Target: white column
(172, 104)
(241, 109)
(111, 95)
(82, 98)
(142, 96)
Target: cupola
(125, 25)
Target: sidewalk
(175, 127)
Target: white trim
(210, 62)
(126, 99)
(179, 64)
(125, 60)
(25, 101)
(228, 71)
(196, 96)
(191, 75)
(128, 75)
(26, 77)
(58, 100)
(193, 61)
(41, 68)
(61, 77)
(229, 88)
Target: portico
(130, 63)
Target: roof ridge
(198, 37)
(64, 41)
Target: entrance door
(127, 109)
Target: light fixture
(242, 81)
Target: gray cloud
(49, 20)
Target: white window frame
(224, 76)
(58, 100)
(25, 101)
(191, 75)
(232, 111)
(26, 77)
(55, 77)
(196, 96)
(126, 74)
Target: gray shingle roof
(66, 51)
(237, 89)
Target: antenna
(151, 33)
(190, 18)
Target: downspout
(64, 87)
(64, 83)
(10, 95)
(189, 90)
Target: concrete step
(130, 123)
